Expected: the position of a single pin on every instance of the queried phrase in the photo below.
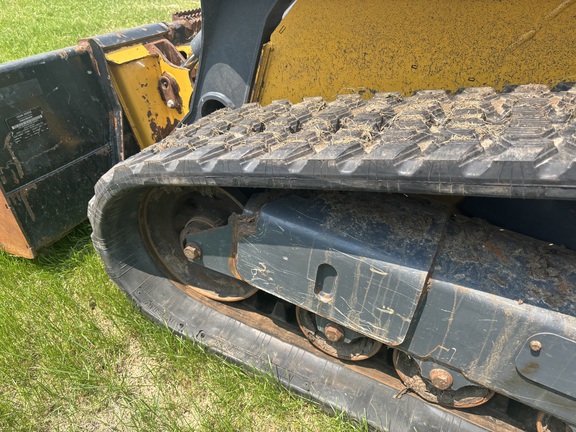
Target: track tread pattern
(518, 143)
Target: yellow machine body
(332, 47)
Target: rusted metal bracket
(170, 91)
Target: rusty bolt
(333, 332)
(441, 379)
(192, 251)
(535, 346)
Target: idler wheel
(168, 214)
(333, 340)
(439, 392)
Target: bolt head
(441, 379)
(535, 346)
(170, 103)
(333, 332)
(192, 251)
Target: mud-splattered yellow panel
(329, 47)
(136, 71)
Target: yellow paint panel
(135, 72)
(127, 54)
(331, 46)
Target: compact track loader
(374, 201)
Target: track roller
(437, 388)
(334, 339)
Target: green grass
(74, 353)
(31, 26)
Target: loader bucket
(59, 134)
(63, 125)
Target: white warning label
(27, 124)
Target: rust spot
(530, 368)
(105, 150)
(556, 298)
(498, 280)
(495, 249)
(80, 49)
(166, 50)
(84, 45)
(160, 132)
(15, 161)
(113, 119)
(246, 225)
(12, 237)
(563, 287)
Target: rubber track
(520, 143)
(516, 143)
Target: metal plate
(360, 260)
(553, 365)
